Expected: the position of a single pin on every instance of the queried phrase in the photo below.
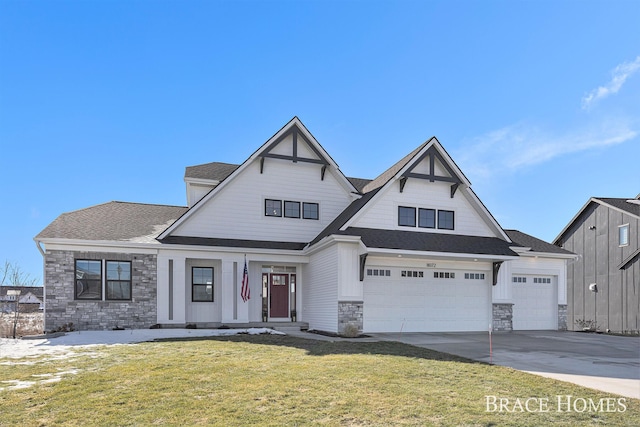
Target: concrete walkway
(602, 362)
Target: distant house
(286, 238)
(604, 283)
(30, 298)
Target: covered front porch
(213, 289)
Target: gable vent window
(378, 272)
(474, 276)
(444, 275)
(517, 279)
(623, 235)
(542, 280)
(412, 273)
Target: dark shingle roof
(536, 245)
(430, 242)
(215, 171)
(232, 243)
(385, 176)
(114, 221)
(359, 183)
(622, 204)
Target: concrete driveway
(602, 362)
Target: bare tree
(12, 275)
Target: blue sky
(537, 102)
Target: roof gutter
(39, 246)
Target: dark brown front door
(279, 295)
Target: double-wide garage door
(407, 300)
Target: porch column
(234, 310)
(171, 290)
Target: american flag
(245, 292)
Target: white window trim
(619, 228)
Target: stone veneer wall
(562, 317)
(350, 312)
(61, 307)
(502, 317)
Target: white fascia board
(228, 250)
(202, 181)
(330, 240)
(97, 245)
(548, 255)
(253, 255)
(444, 255)
(519, 249)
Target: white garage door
(535, 304)
(413, 300)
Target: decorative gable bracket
(295, 133)
(363, 262)
(432, 154)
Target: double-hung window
(95, 278)
(88, 279)
(202, 284)
(118, 280)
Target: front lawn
(281, 380)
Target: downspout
(44, 287)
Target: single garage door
(535, 305)
(414, 300)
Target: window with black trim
(272, 207)
(406, 216)
(474, 276)
(519, 279)
(88, 279)
(291, 209)
(445, 220)
(202, 284)
(444, 275)
(118, 280)
(427, 218)
(310, 210)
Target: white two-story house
(285, 237)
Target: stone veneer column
(62, 308)
(502, 317)
(562, 317)
(350, 313)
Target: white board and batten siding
(397, 303)
(420, 193)
(242, 202)
(320, 292)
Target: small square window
(466, 275)
(435, 274)
(481, 276)
(388, 273)
(420, 274)
(310, 211)
(406, 216)
(445, 220)
(291, 209)
(273, 207)
(369, 272)
(427, 218)
(375, 272)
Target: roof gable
(626, 206)
(292, 143)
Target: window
(411, 273)
(623, 235)
(202, 284)
(474, 276)
(406, 216)
(272, 207)
(88, 279)
(519, 279)
(445, 220)
(542, 280)
(427, 218)
(378, 272)
(292, 209)
(118, 280)
(444, 275)
(310, 211)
